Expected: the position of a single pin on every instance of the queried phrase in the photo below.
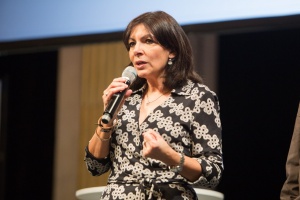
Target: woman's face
(147, 55)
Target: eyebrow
(145, 36)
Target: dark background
(27, 125)
(258, 88)
(259, 91)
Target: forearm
(99, 144)
(191, 169)
(100, 141)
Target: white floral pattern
(189, 121)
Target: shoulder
(193, 88)
(200, 94)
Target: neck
(154, 94)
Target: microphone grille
(130, 73)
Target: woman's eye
(149, 41)
(131, 44)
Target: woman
(167, 134)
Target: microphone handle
(113, 105)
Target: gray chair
(94, 193)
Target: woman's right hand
(117, 85)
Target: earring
(170, 62)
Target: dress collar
(184, 90)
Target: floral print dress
(189, 120)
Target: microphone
(129, 74)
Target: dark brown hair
(171, 36)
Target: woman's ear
(172, 55)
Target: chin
(141, 75)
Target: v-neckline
(149, 110)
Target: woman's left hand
(154, 146)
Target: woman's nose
(137, 49)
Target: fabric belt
(148, 187)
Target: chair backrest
(91, 193)
(94, 193)
(205, 194)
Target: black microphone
(129, 74)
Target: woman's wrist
(104, 134)
(179, 167)
(106, 128)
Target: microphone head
(130, 73)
